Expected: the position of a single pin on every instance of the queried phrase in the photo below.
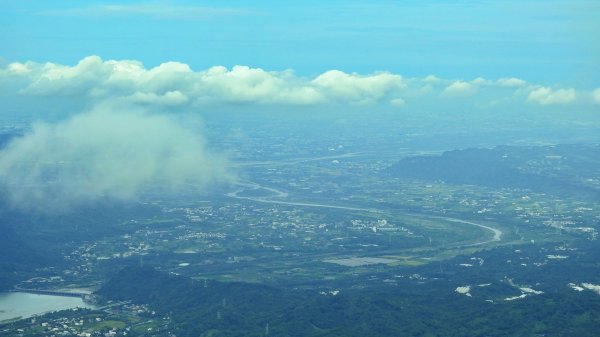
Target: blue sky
(549, 42)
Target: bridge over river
(56, 292)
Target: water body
(280, 194)
(25, 305)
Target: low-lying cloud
(547, 96)
(175, 84)
(459, 89)
(105, 154)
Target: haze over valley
(346, 169)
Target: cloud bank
(547, 96)
(105, 154)
(175, 84)
(460, 89)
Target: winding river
(497, 233)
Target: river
(280, 194)
(25, 305)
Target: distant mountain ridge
(560, 169)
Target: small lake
(26, 305)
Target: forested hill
(560, 169)
(238, 309)
(16, 255)
(30, 240)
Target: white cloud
(398, 102)
(243, 84)
(104, 153)
(432, 79)
(341, 86)
(511, 82)
(52, 78)
(459, 89)
(98, 79)
(596, 96)
(547, 96)
(18, 68)
(176, 85)
(480, 81)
